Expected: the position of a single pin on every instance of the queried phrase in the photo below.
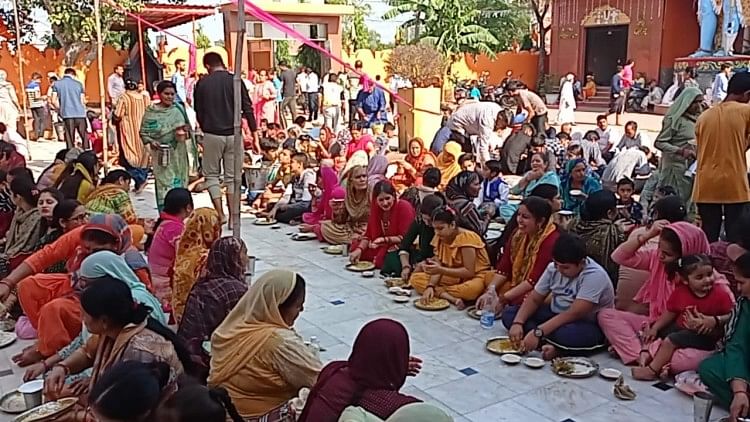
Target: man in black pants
(288, 92)
(721, 184)
(533, 104)
(68, 96)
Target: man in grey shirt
(479, 119)
(579, 288)
(288, 92)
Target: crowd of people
(538, 226)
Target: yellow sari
(449, 169)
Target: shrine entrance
(606, 46)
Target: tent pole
(21, 82)
(102, 92)
(144, 79)
(239, 150)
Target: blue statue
(709, 12)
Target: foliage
(281, 52)
(74, 25)
(201, 39)
(420, 63)
(506, 20)
(451, 26)
(309, 57)
(540, 8)
(27, 26)
(219, 43)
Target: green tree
(356, 33)
(74, 25)
(507, 20)
(27, 26)
(281, 52)
(452, 26)
(540, 9)
(309, 57)
(201, 39)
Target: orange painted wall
(50, 60)
(523, 64)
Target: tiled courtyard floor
(458, 374)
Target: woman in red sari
(418, 159)
(389, 221)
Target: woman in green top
(727, 373)
(677, 132)
(421, 232)
(166, 129)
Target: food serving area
(459, 374)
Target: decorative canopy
(166, 15)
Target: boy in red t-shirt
(695, 293)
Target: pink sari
(623, 328)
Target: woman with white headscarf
(8, 102)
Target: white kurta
(567, 104)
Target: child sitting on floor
(696, 293)
(494, 192)
(627, 207)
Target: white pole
(239, 150)
(102, 93)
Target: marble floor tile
(518, 379)
(469, 393)
(560, 400)
(467, 353)
(506, 411)
(612, 413)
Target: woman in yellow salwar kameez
(460, 265)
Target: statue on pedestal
(709, 12)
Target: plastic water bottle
(487, 319)
(315, 344)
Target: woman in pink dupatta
(622, 328)
(321, 209)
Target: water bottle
(315, 344)
(487, 319)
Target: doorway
(605, 47)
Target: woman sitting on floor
(26, 227)
(461, 265)
(538, 175)
(112, 197)
(162, 244)
(50, 300)
(525, 257)
(67, 215)
(630, 280)
(578, 289)
(622, 328)
(599, 232)
(202, 229)
(257, 356)
(213, 296)
(576, 177)
(122, 331)
(79, 178)
(371, 378)
(321, 209)
(389, 221)
(376, 170)
(420, 233)
(447, 162)
(350, 221)
(461, 192)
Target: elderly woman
(413, 165)
(576, 177)
(462, 263)
(202, 229)
(678, 130)
(257, 356)
(376, 170)
(350, 217)
(525, 256)
(538, 175)
(129, 111)
(461, 191)
(371, 378)
(623, 328)
(213, 296)
(166, 130)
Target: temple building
(592, 36)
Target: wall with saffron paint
(523, 64)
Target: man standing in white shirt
(333, 95)
(719, 88)
(302, 86)
(313, 94)
(178, 79)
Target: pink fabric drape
(329, 182)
